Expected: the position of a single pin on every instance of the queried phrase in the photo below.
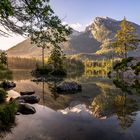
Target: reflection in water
(78, 116)
(107, 105)
(5, 75)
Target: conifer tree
(126, 39)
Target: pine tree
(56, 59)
(126, 39)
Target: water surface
(102, 111)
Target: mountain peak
(104, 18)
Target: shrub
(121, 65)
(59, 72)
(7, 113)
(47, 70)
(3, 95)
(40, 70)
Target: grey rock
(27, 92)
(130, 74)
(28, 99)
(26, 109)
(68, 87)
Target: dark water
(102, 111)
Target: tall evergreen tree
(126, 39)
(56, 59)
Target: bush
(121, 65)
(59, 72)
(47, 70)
(40, 70)
(7, 113)
(3, 95)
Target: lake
(103, 110)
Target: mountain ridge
(94, 41)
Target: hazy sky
(79, 13)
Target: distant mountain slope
(92, 43)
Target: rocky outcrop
(129, 73)
(68, 87)
(128, 68)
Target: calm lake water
(102, 111)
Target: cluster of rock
(24, 102)
(129, 72)
(27, 98)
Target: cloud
(76, 26)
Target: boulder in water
(29, 99)
(27, 93)
(7, 85)
(68, 87)
(26, 109)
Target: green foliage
(121, 65)
(137, 68)
(31, 17)
(59, 72)
(3, 95)
(47, 70)
(5, 75)
(7, 113)
(125, 39)
(42, 70)
(2, 67)
(3, 58)
(6, 8)
(56, 59)
(4, 72)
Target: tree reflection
(6, 75)
(122, 105)
(128, 86)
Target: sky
(80, 13)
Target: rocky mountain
(91, 43)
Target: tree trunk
(125, 53)
(43, 61)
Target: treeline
(22, 63)
(31, 63)
(74, 64)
